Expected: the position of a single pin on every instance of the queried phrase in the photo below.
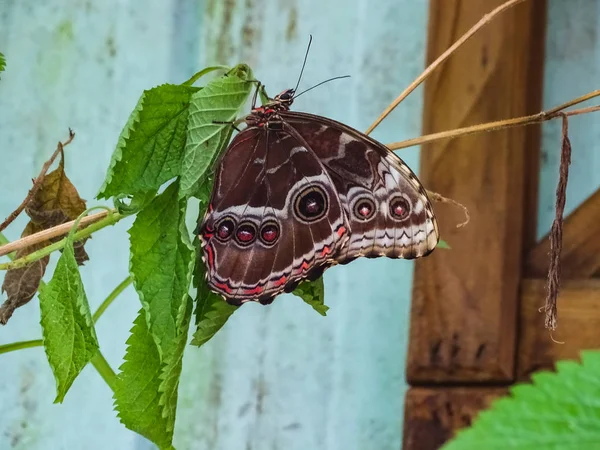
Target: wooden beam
(578, 318)
(463, 318)
(580, 256)
(433, 415)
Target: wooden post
(465, 301)
(436, 414)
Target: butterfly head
(285, 99)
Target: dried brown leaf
(81, 255)
(55, 202)
(21, 284)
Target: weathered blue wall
(572, 69)
(280, 377)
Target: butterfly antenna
(322, 82)
(304, 63)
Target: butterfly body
(296, 193)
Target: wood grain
(433, 415)
(580, 256)
(463, 318)
(578, 319)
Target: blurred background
(277, 377)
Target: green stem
(75, 226)
(98, 361)
(101, 365)
(4, 240)
(87, 231)
(111, 297)
(203, 72)
(6, 348)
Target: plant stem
(443, 57)
(13, 346)
(50, 233)
(111, 297)
(101, 365)
(110, 220)
(98, 361)
(501, 124)
(203, 72)
(3, 241)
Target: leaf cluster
(164, 159)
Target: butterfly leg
(218, 122)
(260, 90)
(259, 86)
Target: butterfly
(295, 193)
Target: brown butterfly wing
(274, 217)
(387, 207)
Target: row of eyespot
(245, 233)
(364, 209)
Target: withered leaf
(21, 284)
(81, 255)
(56, 202)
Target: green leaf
(151, 145)
(219, 101)
(171, 371)
(443, 244)
(137, 396)
(162, 264)
(313, 293)
(69, 336)
(212, 311)
(147, 389)
(559, 411)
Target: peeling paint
(291, 30)
(249, 29)
(64, 31)
(21, 435)
(261, 391)
(244, 409)
(111, 47)
(210, 8)
(224, 47)
(214, 404)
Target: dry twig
(59, 230)
(441, 199)
(37, 182)
(443, 57)
(540, 117)
(553, 286)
